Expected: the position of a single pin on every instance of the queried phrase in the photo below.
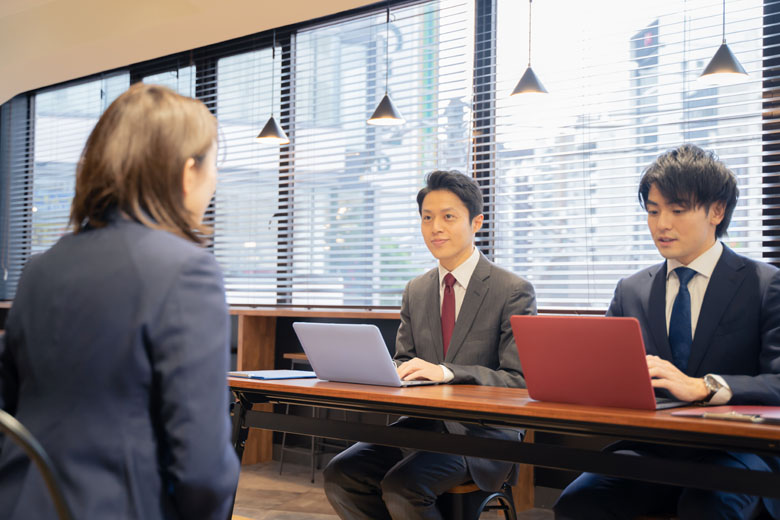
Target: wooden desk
(256, 340)
(512, 407)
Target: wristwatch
(713, 385)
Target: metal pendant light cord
(273, 72)
(387, 47)
(529, 32)
(724, 21)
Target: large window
(247, 200)
(331, 217)
(64, 117)
(355, 236)
(623, 83)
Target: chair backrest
(15, 430)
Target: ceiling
(43, 42)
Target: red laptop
(590, 360)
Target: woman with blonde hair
(116, 346)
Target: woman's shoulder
(161, 250)
(151, 252)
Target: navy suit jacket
(115, 355)
(737, 335)
(482, 349)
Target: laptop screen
(589, 360)
(349, 353)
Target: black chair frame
(470, 505)
(16, 431)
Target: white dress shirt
(704, 265)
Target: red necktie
(448, 311)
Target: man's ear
(188, 176)
(476, 223)
(717, 212)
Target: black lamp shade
(529, 84)
(723, 68)
(386, 114)
(272, 133)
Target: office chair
(22, 436)
(468, 502)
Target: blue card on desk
(274, 374)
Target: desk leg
(238, 436)
(256, 345)
(240, 429)
(523, 491)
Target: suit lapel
(472, 301)
(656, 313)
(724, 282)
(433, 309)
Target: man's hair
(134, 160)
(692, 178)
(462, 186)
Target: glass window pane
(356, 238)
(623, 83)
(64, 117)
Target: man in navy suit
(710, 321)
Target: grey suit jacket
(737, 335)
(482, 350)
(115, 356)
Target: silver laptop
(349, 353)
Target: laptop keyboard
(662, 403)
(418, 382)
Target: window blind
(180, 79)
(64, 117)
(331, 218)
(15, 191)
(623, 83)
(247, 197)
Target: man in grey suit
(455, 329)
(724, 350)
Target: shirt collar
(703, 265)
(463, 272)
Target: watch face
(712, 384)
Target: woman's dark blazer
(115, 355)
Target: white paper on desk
(274, 374)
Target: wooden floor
(263, 494)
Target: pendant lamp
(723, 68)
(386, 114)
(272, 133)
(529, 83)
